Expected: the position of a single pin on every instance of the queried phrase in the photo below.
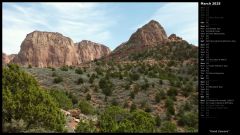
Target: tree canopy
(116, 119)
(24, 100)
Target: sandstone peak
(43, 49)
(89, 50)
(154, 24)
(88, 42)
(150, 34)
(37, 32)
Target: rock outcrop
(149, 35)
(174, 38)
(7, 58)
(43, 49)
(88, 51)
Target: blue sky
(106, 23)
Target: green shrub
(86, 107)
(78, 71)
(91, 79)
(99, 71)
(14, 126)
(57, 79)
(160, 82)
(61, 98)
(72, 97)
(132, 95)
(29, 66)
(134, 76)
(88, 97)
(169, 104)
(144, 122)
(106, 86)
(189, 119)
(110, 118)
(168, 127)
(151, 74)
(157, 97)
(71, 67)
(21, 93)
(116, 119)
(64, 68)
(125, 105)
(148, 108)
(53, 69)
(172, 92)
(114, 102)
(95, 89)
(85, 127)
(162, 94)
(186, 91)
(107, 91)
(54, 74)
(133, 107)
(158, 121)
(145, 86)
(79, 81)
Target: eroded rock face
(7, 58)
(43, 49)
(88, 51)
(174, 38)
(150, 34)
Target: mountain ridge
(43, 49)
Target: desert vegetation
(162, 92)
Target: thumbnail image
(100, 67)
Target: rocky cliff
(7, 58)
(43, 49)
(151, 35)
(88, 51)
(174, 38)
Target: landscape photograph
(100, 67)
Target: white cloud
(76, 20)
(12, 38)
(179, 18)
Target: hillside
(147, 84)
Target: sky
(107, 23)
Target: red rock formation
(88, 51)
(174, 38)
(7, 58)
(150, 35)
(43, 49)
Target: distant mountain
(88, 51)
(43, 49)
(152, 38)
(7, 58)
